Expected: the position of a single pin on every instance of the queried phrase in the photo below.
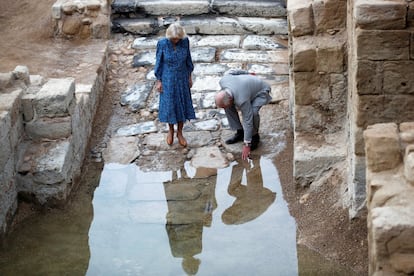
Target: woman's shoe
(182, 141)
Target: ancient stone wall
(318, 83)
(378, 45)
(390, 192)
(82, 18)
(45, 126)
(381, 86)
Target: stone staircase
(200, 17)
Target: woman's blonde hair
(175, 30)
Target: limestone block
(407, 132)
(55, 97)
(383, 45)
(237, 55)
(308, 119)
(392, 234)
(8, 196)
(371, 109)
(53, 162)
(312, 160)
(81, 128)
(71, 25)
(101, 27)
(306, 85)
(403, 262)
(21, 72)
(27, 106)
(399, 77)
(122, 150)
(57, 9)
(213, 26)
(381, 187)
(250, 8)
(358, 140)
(6, 80)
(398, 108)
(356, 185)
(380, 14)
(300, 16)
(137, 26)
(174, 7)
(264, 26)
(49, 128)
(329, 14)
(11, 102)
(5, 144)
(382, 147)
(409, 164)
(331, 54)
(368, 78)
(304, 54)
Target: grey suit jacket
(248, 92)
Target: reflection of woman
(173, 70)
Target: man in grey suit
(247, 93)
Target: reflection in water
(252, 199)
(225, 222)
(192, 222)
(190, 207)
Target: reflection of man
(252, 199)
(247, 93)
(190, 206)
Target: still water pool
(231, 221)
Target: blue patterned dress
(174, 67)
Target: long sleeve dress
(173, 68)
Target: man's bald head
(223, 99)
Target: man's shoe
(238, 137)
(255, 142)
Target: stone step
(145, 8)
(203, 25)
(200, 16)
(312, 160)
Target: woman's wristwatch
(247, 144)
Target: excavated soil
(323, 224)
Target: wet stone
(208, 101)
(121, 150)
(203, 54)
(144, 59)
(52, 166)
(170, 160)
(220, 41)
(211, 125)
(212, 25)
(206, 83)
(141, 43)
(135, 129)
(213, 69)
(264, 26)
(203, 100)
(196, 139)
(136, 96)
(236, 55)
(259, 42)
(209, 157)
(157, 141)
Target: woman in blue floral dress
(173, 69)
